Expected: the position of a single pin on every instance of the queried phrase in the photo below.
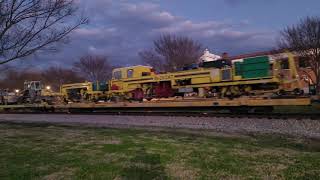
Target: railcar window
(304, 62)
(32, 85)
(130, 73)
(285, 63)
(117, 75)
(146, 73)
(37, 84)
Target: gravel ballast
(299, 128)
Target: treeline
(53, 76)
(88, 68)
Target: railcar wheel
(298, 92)
(240, 110)
(263, 109)
(231, 96)
(115, 99)
(281, 92)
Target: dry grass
(66, 173)
(64, 152)
(180, 171)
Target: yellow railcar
(255, 75)
(86, 91)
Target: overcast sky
(120, 29)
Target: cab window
(37, 85)
(130, 73)
(145, 73)
(284, 63)
(117, 75)
(304, 62)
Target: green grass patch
(62, 152)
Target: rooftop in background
(207, 56)
(260, 53)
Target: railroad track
(217, 114)
(302, 109)
(221, 123)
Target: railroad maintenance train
(274, 75)
(267, 75)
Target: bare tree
(52, 76)
(28, 26)
(172, 52)
(94, 68)
(304, 38)
(151, 58)
(56, 76)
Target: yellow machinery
(259, 74)
(33, 92)
(87, 91)
(286, 70)
(127, 79)
(252, 80)
(250, 76)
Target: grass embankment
(58, 152)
